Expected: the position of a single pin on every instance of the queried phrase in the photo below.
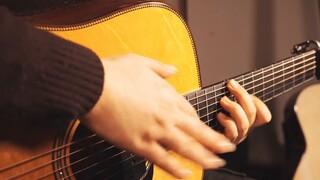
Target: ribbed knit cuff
(44, 77)
(73, 78)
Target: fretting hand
(246, 113)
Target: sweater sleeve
(44, 77)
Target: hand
(140, 112)
(246, 113)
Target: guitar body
(303, 135)
(69, 151)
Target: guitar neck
(265, 83)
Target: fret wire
(304, 75)
(266, 76)
(273, 81)
(282, 63)
(303, 72)
(294, 72)
(207, 107)
(215, 100)
(283, 78)
(263, 83)
(311, 68)
(253, 86)
(249, 89)
(221, 94)
(219, 109)
(294, 59)
(311, 58)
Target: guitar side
(303, 134)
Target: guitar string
(248, 89)
(254, 93)
(261, 73)
(282, 63)
(83, 159)
(95, 164)
(215, 104)
(46, 153)
(61, 158)
(106, 169)
(219, 109)
(123, 151)
(65, 146)
(206, 100)
(98, 172)
(245, 84)
(261, 90)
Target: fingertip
(163, 70)
(184, 173)
(233, 84)
(263, 113)
(170, 70)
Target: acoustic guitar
(155, 30)
(303, 135)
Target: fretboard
(265, 83)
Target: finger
(230, 127)
(189, 148)
(244, 99)
(263, 113)
(163, 70)
(238, 114)
(186, 107)
(205, 135)
(158, 155)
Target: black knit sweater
(42, 76)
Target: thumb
(163, 70)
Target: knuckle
(149, 136)
(163, 121)
(267, 117)
(236, 108)
(232, 135)
(243, 129)
(251, 113)
(138, 144)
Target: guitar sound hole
(94, 158)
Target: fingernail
(172, 69)
(225, 99)
(215, 162)
(184, 173)
(227, 146)
(234, 84)
(221, 115)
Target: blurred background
(234, 37)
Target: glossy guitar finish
(69, 151)
(149, 29)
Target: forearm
(43, 76)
